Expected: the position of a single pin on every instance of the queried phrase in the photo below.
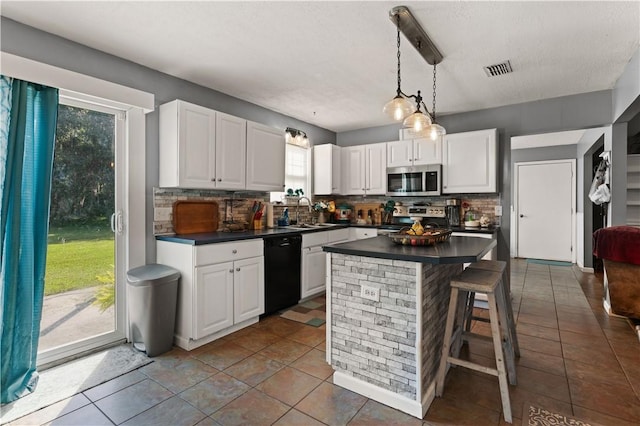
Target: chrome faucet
(297, 207)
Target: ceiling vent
(498, 69)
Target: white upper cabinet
(265, 158)
(327, 169)
(414, 152)
(203, 148)
(353, 172)
(469, 162)
(427, 151)
(400, 153)
(376, 168)
(187, 145)
(231, 151)
(364, 169)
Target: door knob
(521, 215)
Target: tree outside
(81, 244)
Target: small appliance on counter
(472, 219)
(343, 213)
(399, 210)
(452, 209)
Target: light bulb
(418, 121)
(398, 108)
(436, 131)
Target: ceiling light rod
(406, 22)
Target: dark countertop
(454, 250)
(490, 230)
(220, 237)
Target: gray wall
(559, 152)
(550, 115)
(43, 47)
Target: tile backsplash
(234, 206)
(237, 206)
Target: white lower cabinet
(221, 288)
(313, 271)
(362, 233)
(314, 259)
(213, 299)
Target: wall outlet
(370, 293)
(498, 210)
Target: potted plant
(292, 196)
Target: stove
(429, 216)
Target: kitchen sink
(312, 225)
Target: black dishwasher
(281, 272)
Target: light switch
(498, 210)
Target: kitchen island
(386, 313)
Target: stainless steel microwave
(414, 181)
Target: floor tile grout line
(624, 370)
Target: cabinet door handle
(234, 251)
(213, 179)
(237, 269)
(231, 270)
(219, 179)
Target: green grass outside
(76, 255)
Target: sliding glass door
(84, 283)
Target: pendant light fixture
(435, 130)
(399, 108)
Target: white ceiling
(333, 64)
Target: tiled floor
(575, 360)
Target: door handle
(521, 215)
(117, 222)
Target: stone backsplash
(483, 203)
(163, 199)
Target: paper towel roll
(269, 215)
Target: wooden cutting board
(192, 217)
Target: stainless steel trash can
(152, 296)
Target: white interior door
(545, 210)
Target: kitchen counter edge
(221, 237)
(454, 250)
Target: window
(297, 171)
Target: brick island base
(387, 349)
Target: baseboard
(383, 396)
(190, 344)
(586, 269)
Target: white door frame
(516, 213)
(73, 349)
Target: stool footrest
(469, 337)
(473, 366)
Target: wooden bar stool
(489, 283)
(500, 267)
